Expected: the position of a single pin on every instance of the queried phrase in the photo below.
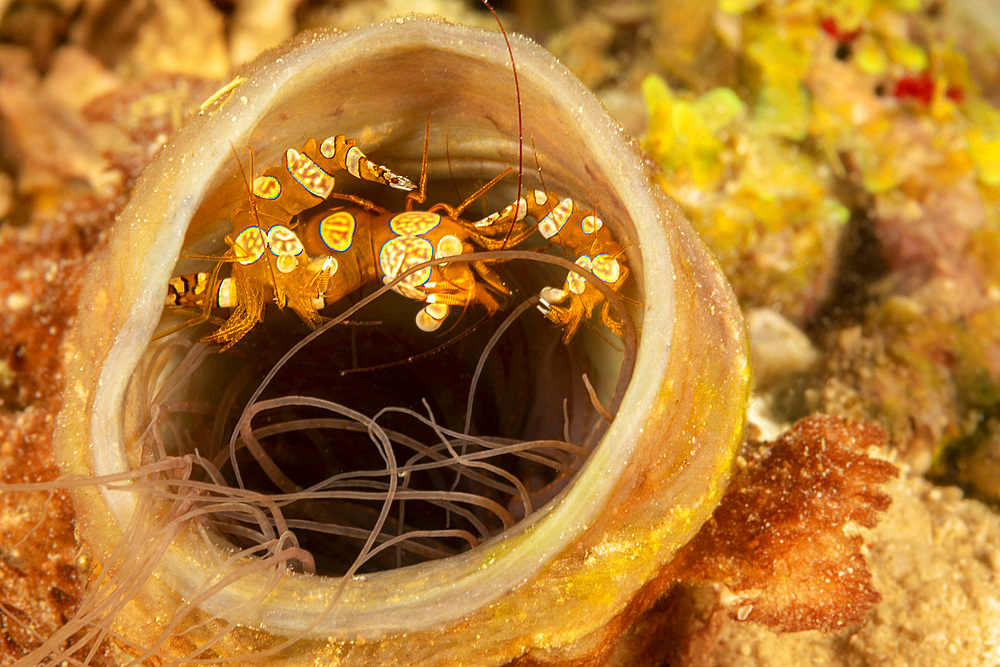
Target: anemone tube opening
(547, 584)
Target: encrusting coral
(784, 542)
(849, 178)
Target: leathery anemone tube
(389, 495)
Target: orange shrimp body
(286, 249)
(269, 258)
(360, 247)
(578, 230)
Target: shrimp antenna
(520, 118)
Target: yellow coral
(910, 56)
(783, 110)
(849, 14)
(782, 55)
(685, 136)
(900, 112)
(984, 140)
(869, 56)
(738, 6)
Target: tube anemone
(191, 564)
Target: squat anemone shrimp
(337, 248)
(202, 552)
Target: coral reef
(849, 180)
(841, 162)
